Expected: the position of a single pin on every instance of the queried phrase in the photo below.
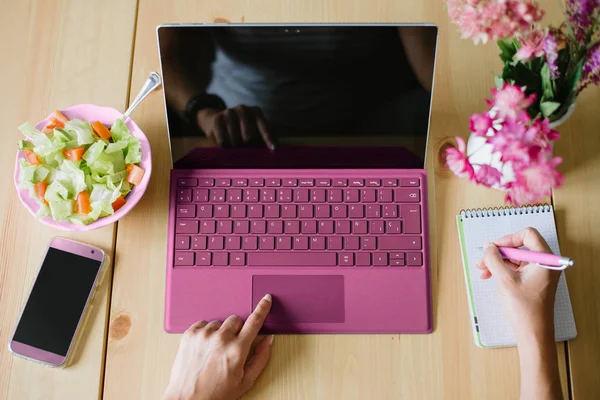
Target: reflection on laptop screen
(340, 85)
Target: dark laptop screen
(306, 85)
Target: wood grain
(445, 364)
(55, 54)
(578, 220)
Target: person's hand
(527, 291)
(212, 362)
(234, 127)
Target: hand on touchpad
(301, 298)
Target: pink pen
(544, 260)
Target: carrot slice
(101, 130)
(74, 154)
(82, 206)
(53, 123)
(31, 157)
(40, 190)
(134, 174)
(59, 116)
(118, 203)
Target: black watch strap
(201, 102)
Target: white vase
(482, 153)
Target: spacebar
(291, 259)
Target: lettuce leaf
(25, 145)
(61, 209)
(119, 146)
(101, 193)
(121, 134)
(72, 177)
(38, 138)
(93, 152)
(82, 130)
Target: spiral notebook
(490, 325)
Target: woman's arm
(419, 46)
(527, 295)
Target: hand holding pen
(527, 292)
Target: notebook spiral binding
(504, 211)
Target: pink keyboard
(298, 218)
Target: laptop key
(204, 210)
(250, 242)
(220, 259)
(259, 226)
(184, 258)
(301, 243)
(223, 182)
(200, 195)
(380, 259)
(292, 259)
(397, 262)
(346, 259)
(414, 259)
(187, 182)
(284, 243)
(182, 242)
(363, 259)
(411, 216)
(238, 211)
(203, 258)
(266, 243)
(216, 243)
(225, 227)
(356, 211)
(410, 182)
(257, 182)
(184, 195)
(323, 211)
(399, 242)
(334, 243)
(184, 226)
(206, 182)
(188, 211)
(208, 226)
(407, 196)
(240, 182)
(222, 211)
(233, 243)
(237, 259)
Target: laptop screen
(315, 86)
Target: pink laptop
(333, 222)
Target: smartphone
(56, 305)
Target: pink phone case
(46, 357)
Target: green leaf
(547, 92)
(499, 82)
(507, 50)
(548, 108)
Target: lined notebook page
(480, 226)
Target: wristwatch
(201, 102)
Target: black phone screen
(57, 301)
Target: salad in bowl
(82, 168)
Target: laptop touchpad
(301, 298)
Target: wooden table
(100, 52)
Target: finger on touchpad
(301, 298)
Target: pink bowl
(107, 116)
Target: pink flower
(483, 20)
(458, 162)
(535, 181)
(532, 45)
(480, 124)
(488, 175)
(510, 101)
(508, 141)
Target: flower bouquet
(544, 70)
